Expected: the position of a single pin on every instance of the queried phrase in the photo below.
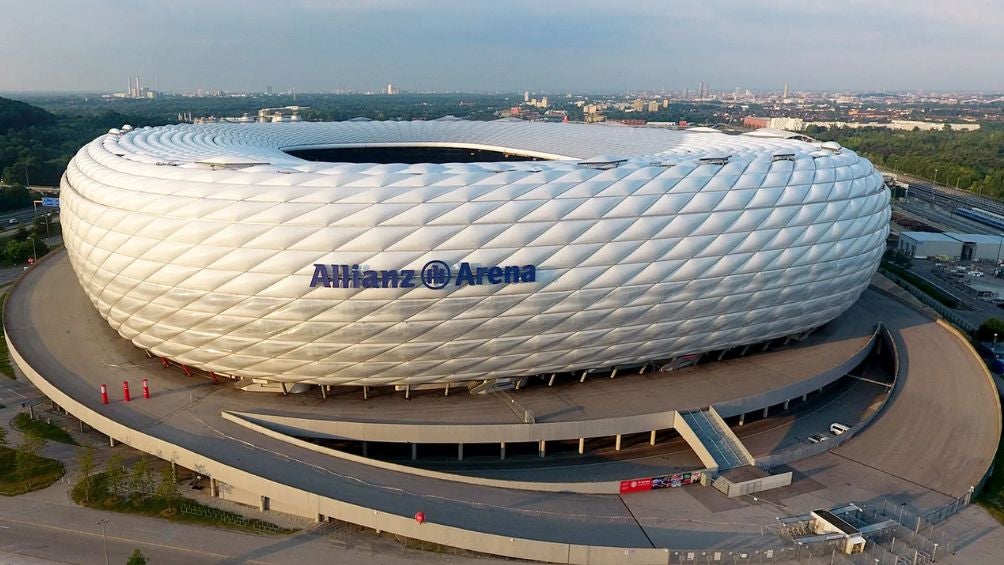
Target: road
(46, 526)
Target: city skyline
(588, 46)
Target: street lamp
(104, 538)
(935, 183)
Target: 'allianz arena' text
(211, 246)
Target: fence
(229, 518)
(938, 307)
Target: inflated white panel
(657, 256)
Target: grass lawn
(40, 429)
(100, 497)
(48, 472)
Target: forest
(969, 160)
(37, 139)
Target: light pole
(935, 183)
(104, 538)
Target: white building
(211, 246)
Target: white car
(816, 438)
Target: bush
(990, 327)
(928, 288)
(41, 430)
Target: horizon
(452, 47)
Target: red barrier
(125, 391)
(146, 389)
(104, 394)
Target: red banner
(667, 481)
(636, 485)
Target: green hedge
(922, 284)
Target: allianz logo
(435, 275)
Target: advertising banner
(666, 481)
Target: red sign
(636, 485)
(667, 481)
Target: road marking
(126, 540)
(16, 392)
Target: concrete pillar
(642, 370)
(366, 449)
(214, 487)
(174, 471)
(414, 451)
(460, 452)
(285, 391)
(766, 345)
(583, 379)
(447, 391)
(81, 423)
(321, 518)
(651, 438)
(324, 392)
(582, 445)
(541, 449)
(550, 382)
(742, 418)
(366, 393)
(617, 443)
(805, 396)
(263, 503)
(111, 441)
(407, 392)
(786, 403)
(722, 354)
(765, 411)
(613, 373)
(745, 349)
(502, 451)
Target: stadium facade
(214, 246)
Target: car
(12, 221)
(837, 428)
(816, 438)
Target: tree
(139, 477)
(114, 474)
(990, 327)
(167, 488)
(136, 558)
(85, 462)
(27, 459)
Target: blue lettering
(321, 275)
(407, 278)
(465, 275)
(389, 279)
(371, 279)
(529, 274)
(511, 274)
(495, 275)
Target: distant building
(653, 106)
(638, 105)
(899, 125)
(954, 245)
(787, 124)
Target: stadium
(427, 253)
(371, 258)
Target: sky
(484, 46)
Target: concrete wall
(795, 390)
(468, 433)
(602, 487)
(311, 505)
(732, 490)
